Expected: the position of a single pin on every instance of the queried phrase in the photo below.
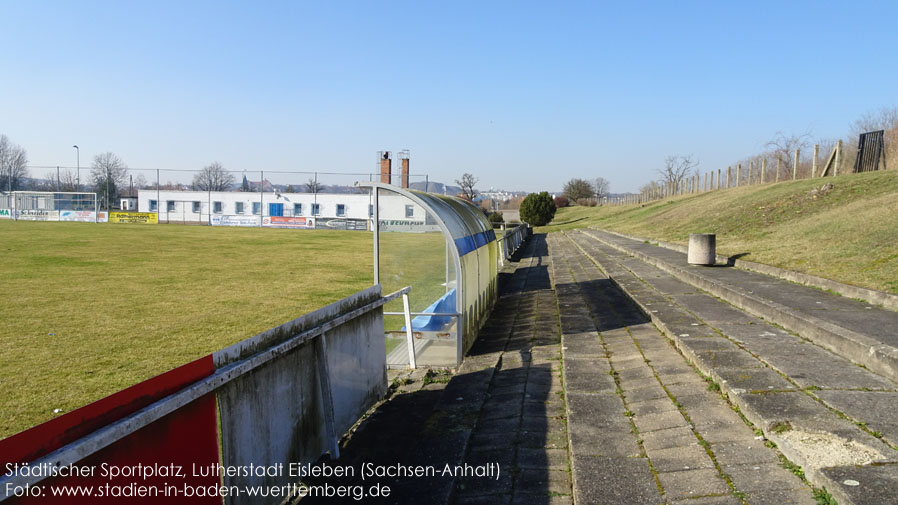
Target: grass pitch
(89, 309)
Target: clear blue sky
(523, 95)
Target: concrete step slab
(861, 332)
(765, 395)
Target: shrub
(561, 201)
(587, 202)
(496, 217)
(538, 209)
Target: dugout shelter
(446, 250)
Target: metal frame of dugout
(446, 250)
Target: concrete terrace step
(863, 333)
(644, 426)
(823, 412)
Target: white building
(275, 209)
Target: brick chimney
(405, 171)
(386, 167)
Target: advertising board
(134, 217)
(81, 216)
(4, 214)
(341, 224)
(288, 222)
(218, 220)
(37, 215)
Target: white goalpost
(50, 206)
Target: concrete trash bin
(702, 249)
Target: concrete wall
(277, 413)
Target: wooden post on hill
(838, 157)
(795, 165)
(779, 164)
(729, 169)
(764, 171)
(718, 178)
(738, 174)
(814, 163)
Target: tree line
(107, 175)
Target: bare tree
(677, 169)
(108, 173)
(782, 148)
(13, 165)
(578, 189)
(313, 186)
(650, 190)
(467, 183)
(213, 177)
(600, 187)
(140, 182)
(68, 181)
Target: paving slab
(660, 421)
(694, 483)
(614, 481)
(682, 436)
(675, 459)
(864, 484)
(763, 477)
(879, 410)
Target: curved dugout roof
(467, 226)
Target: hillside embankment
(842, 228)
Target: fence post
(764, 171)
(779, 163)
(795, 165)
(409, 335)
(738, 175)
(814, 164)
(838, 156)
(718, 178)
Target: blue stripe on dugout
(473, 242)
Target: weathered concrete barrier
(283, 397)
(702, 249)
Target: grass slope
(849, 234)
(91, 309)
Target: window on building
(409, 211)
(170, 205)
(216, 207)
(154, 205)
(341, 210)
(297, 209)
(316, 209)
(257, 208)
(238, 207)
(196, 207)
(370, 210)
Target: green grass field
(91, 309)
(849, 234)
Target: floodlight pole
(78, 165)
